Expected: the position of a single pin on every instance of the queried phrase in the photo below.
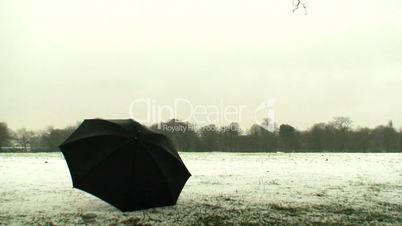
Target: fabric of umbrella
(124, 164)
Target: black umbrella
(124, 164)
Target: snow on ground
(225, 189)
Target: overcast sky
(63, 61)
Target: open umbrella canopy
(124, 164)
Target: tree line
(336, 135)
(29, 140)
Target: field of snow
(225, 189)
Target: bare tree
(341, 123)
(24, 137)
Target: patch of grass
(288, 209)
(211, 220)
(88, 218)
(358, 216)
(376, 187)
(391, 206)
(133, 221)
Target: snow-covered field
(225, 189)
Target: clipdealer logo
(149, 111)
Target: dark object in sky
(125, 164)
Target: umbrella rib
(167, 150)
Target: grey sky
(62, 61)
